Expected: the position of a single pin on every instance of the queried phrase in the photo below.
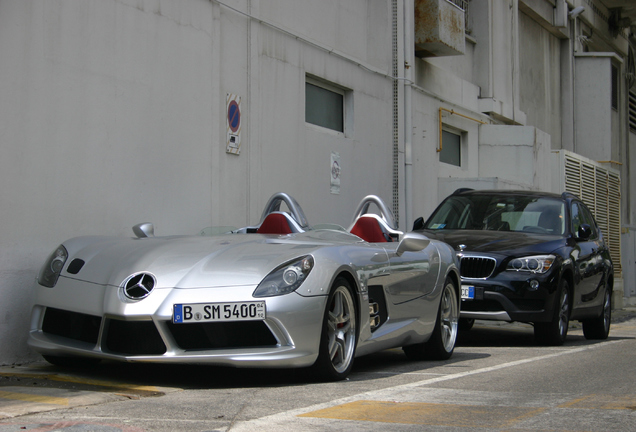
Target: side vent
(378, 313)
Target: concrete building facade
(191, 113)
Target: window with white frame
(325, 105)
(451, 148)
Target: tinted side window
(589, 219)
(581, 215)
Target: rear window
(541, 215)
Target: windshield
(502, 213)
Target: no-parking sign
(233, 122)
(335, 173)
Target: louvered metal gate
(599, 188)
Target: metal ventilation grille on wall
(600, 189)
(632, 111)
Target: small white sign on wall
(335, 173)
(233, 121)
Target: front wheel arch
(355, 290)
(458, 287)
(555, 331)
(339, 333)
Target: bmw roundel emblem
(139, 286)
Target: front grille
(477, 267)
(206, 336)
(72, 325)
(133, 338)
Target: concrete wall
(100, 130)
(113, 113)
(299, 153)
(519, 154)
(540, 78)
(628, 237)
(593, 108)
(495, 27)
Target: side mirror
(418, 224)
(585, 232)
(145, 229)
(412, 242)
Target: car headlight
(286, 278)
(533, 264)
(53, 267)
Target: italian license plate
(468, 292)
(218, 312)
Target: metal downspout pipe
(396, 72)
(409, 58)
(403, 54)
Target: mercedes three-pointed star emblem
(139, 285)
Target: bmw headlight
(53, 267)
(286, 278)
(533, 264)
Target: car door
(587, 257)
(412, 274)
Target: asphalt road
(497, 380)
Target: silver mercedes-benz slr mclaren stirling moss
(279, 294)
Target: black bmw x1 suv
(531, 257)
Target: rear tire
(554, 332)
(599, 328)
(441, 344)
(465, 324)
(339, 335)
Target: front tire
(339, 335)
(598, 328)
(554, 332)
(441, 344)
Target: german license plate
(218, 312)
(468, 292)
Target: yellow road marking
(33, 398)
(460, 415)
(601, 401)
(427, 414)
(102, 383)
(574, 402)
(87, 381)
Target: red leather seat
(368, 229)
(275, 223)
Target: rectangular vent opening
(133, 338)
(207, 336)
(72, 325)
